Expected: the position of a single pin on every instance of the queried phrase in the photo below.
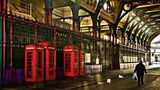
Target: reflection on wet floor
(110, 80)
(125, 83)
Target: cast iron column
(4, 13)
(110, 46)
(48, 12)
(76, 24)
(114, 48)
(149, 54)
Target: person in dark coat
(140, 70)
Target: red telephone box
(34, 63)
(50, 60)
(71, 61)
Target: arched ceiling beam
(146, 23)
(132, 9)
(140, 15)
(99, 7)
(131, 5)
(126, 24)
(151, 37)
(145, 33)
(142, 31)
(134, 18)
(75, 9)
(153, 17)
(138, 30)
(128, 21)
(132, 27)
(96, 14)
(148, 34)
(149, 6)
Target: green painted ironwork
(18, 57)
(61, 39)
(22, 34)
(48, 3)
(7, 43)
(75, 40)
(75, 9)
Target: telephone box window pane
(39, 64)
(29, 64)
(68, 61)
(51, 63)
(76, 59)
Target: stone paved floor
(98, 82)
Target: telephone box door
(71, 61)
(67, 64)
(50, 60)
(29, 72)
(40, 64)
(51, 64)
(34, 63)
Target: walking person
(140, 69)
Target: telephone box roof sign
(51, 48)
(46, 44)
(33, 47)
(71, 48)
